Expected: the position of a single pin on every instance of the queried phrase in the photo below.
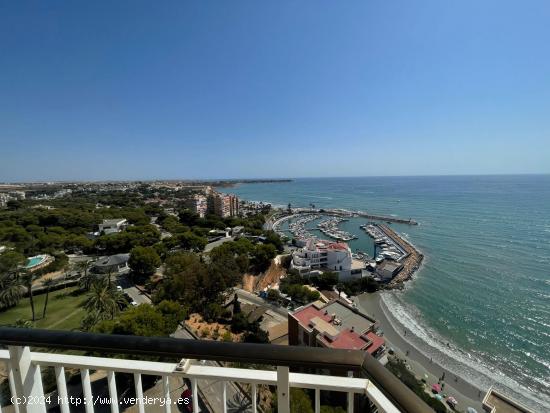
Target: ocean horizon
(482, 295)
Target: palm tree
(27, 279)
(103, 300)
(11, 290)
(86, 279)
(47, 282)
(11, 262)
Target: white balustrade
(24, 366)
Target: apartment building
(335, 325)
(223, 205)
(320, 255)
(198, 204)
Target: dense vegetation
(64, 226)
(145, 320)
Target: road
(254, 299)
(217, 243)
(211, 389)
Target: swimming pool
(35, 261)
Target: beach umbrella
(471, 410)
(436, 388)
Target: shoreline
(466, 394)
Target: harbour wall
(411, 262)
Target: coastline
(234, 183)
(476, 369)
(467, 394)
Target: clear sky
(212, 89)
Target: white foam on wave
(318, 196)
(461, 363)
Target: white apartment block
(319, 255)
(111, 226)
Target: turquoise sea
(484, 287)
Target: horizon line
(11, 182)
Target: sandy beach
(466, 394)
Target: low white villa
(320, 255)
(111, 226)
(114, 263)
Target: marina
(330, 228)
(298, 227)
(386, 247)
(394, 260)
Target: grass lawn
(64, 310)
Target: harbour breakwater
(387, 218)
(411, 261)
(348, 213)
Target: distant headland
(233, 182)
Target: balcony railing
(373, 380)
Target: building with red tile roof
(334, 325)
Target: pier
(411, 262)
(386, 218)
(363, 214)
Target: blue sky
(199, 89)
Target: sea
(482, 295)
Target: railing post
(254, 398)
(87, 390)
(113, 395)
(139, 392)
(224, 397)
(63, 395)
(283, 390)
(317, 400)
(27, 380)
(166, 391)
(351, 397)
(11, 379)
(195, 394)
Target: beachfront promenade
(424, 365)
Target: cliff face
(271, 277)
